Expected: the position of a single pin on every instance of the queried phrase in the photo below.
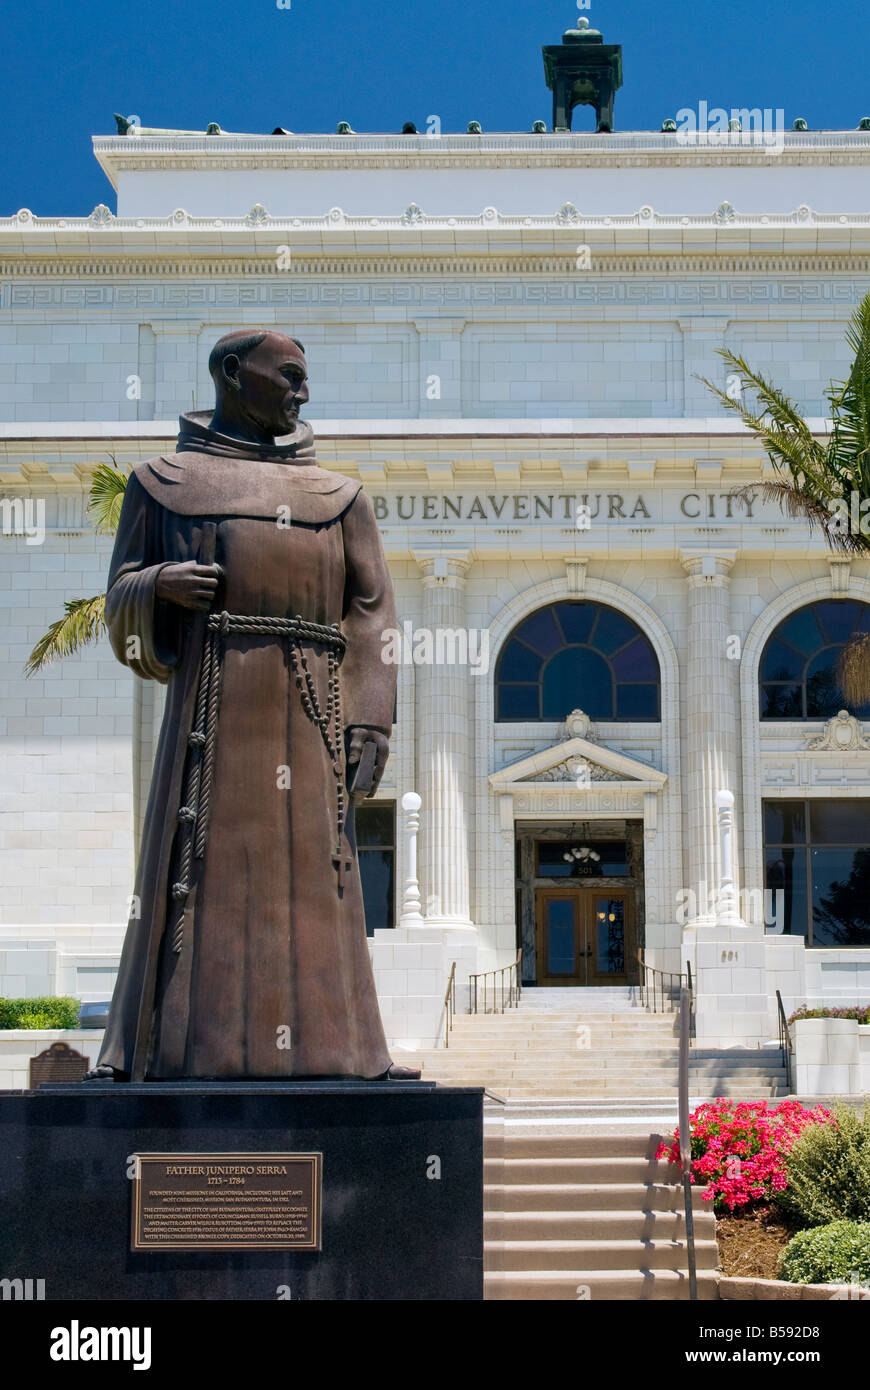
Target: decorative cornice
(187, 264)
(628, 149)
(568, 219)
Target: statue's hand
(189, 584)
(359, 735)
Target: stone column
(710, 702)
(444, 741)
(730, 978)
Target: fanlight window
(577, 655)
(798, 671)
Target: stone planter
(18, 1045)
(765, 1289)
(827, 1057)
(864, 1054)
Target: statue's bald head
(260, 377)
(239, 344)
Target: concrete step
(635, 1285)
(569, 1167)
(535, 1192)
(598, 1226)
(635, 1147)
(552, 1255)
(599, 1169)
(615, 1084)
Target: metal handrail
(785, 1042)
(506, 994)
(449, 1004)
(686, 1012)
(658, 992)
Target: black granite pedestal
(396, 1225)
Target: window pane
(576, 620)
(841, 897)
(610, 936)
(376, 873)
(786, 878)
(375, 824)
(785, 823)
(802, 631)
(541, 632)
(782, 663)
(612, 630)
(781, 702)
(519, 663)
(636, 662)
(824, 696)
(577, 678)
(611, 861)
(559, 936)
(838, 619)
(637, 702)
(838, 822)
(517, 702)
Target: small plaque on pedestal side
(227, 1201)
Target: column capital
(444, 568)
(708, 567)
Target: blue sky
(252, 66)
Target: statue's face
(272, 384)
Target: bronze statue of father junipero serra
(253, 584)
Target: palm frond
(780, 409)
(83, 622)
(106, 497)
(853, 670)
(850, 403)
(799, 504)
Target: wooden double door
(584, 936)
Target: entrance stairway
(586, 1044)
(587, 1216)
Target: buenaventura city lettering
(560, 507)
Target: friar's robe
(273, 978)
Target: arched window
(797, 677)
(577, 655)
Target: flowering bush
(860, 1012)
(739, 1148)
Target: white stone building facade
(500, 330)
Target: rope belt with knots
(193, 815)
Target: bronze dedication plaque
(233, 1201)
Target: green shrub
(835, 1254)
(860, 1012)
(46, 1011)
(828, 1170)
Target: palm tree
(84, 618)
(818, 481)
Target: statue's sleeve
(144, 630)
(368, 684)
